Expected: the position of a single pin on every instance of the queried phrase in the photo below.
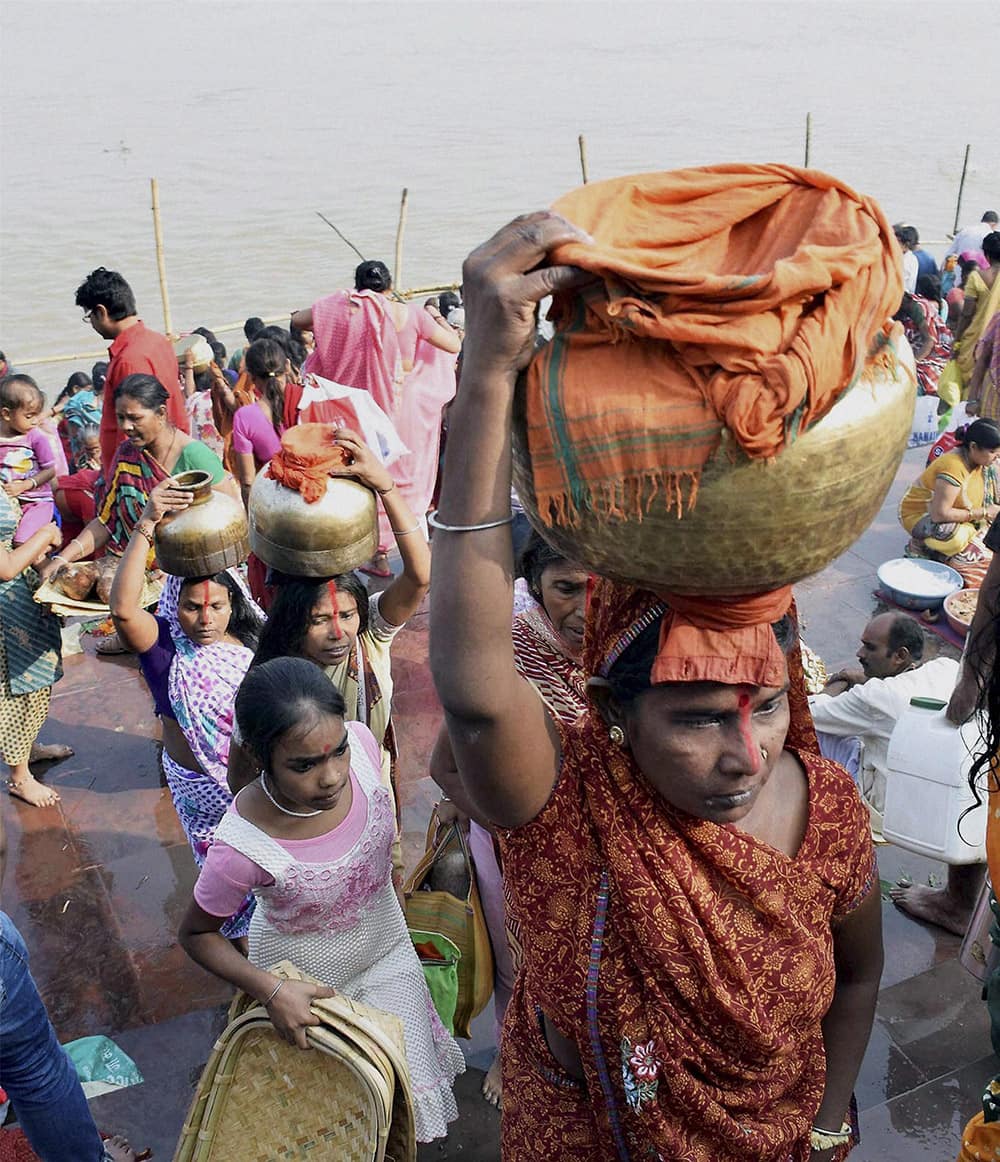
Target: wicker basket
(756, 525)
(263, 1100)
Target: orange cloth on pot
(740, 296)
(306, 457)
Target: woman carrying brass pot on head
(193, 653)
(334, 623)
(695, 886)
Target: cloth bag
(439, 958)
(461, 921)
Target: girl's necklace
(284, 810)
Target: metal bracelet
(432, 520)
(273, 993)
(405, 532)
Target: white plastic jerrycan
(927, 786)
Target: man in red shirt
(109, 304)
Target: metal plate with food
(960, 609)
(65, 605)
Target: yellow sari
(987, 300)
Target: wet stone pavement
(98, 885)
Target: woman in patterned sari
(698, 902)
(30, 660)
(193, 653)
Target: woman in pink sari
(368, 339)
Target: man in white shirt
(911, 266)
(970, 238)
(865, 704)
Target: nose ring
(763, 753)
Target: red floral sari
(691, 964)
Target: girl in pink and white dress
(312, 839)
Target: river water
(255, 115)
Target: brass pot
(334, 535)
(209, 536)
(755, 525)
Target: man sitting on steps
(864, 705)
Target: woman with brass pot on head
(152, 450)
(951, 504)
(333, 623)
(695, 886)
(193, 653)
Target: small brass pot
(206, 538)
(334, 535)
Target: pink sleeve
(426, 326)
(225, 878)
(360, 733)
(42, 449)
(253, 432)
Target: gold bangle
(145, 533)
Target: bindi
(753, 754)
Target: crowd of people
(680, 886)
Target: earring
(617, 735)
(763, 753)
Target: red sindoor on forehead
(753, 754)
(331, 588)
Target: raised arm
(402, 598)
(137, 628)
(504, 741)
(302, 320)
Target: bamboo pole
(160, 264)
(582, 143)
(961, 189)
(809, 132)
(397, 273)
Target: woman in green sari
(152, 450)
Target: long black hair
(244, 624)
(276, 697)
(288, 617)
(145, 390)
(266, 361)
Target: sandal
(54, 752)
(112, 644)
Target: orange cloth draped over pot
(306, 457)
(740, 296)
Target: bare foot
(32, 791)
(54, 752)
(492, 1085)
(117, 1149)
(932, 905)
